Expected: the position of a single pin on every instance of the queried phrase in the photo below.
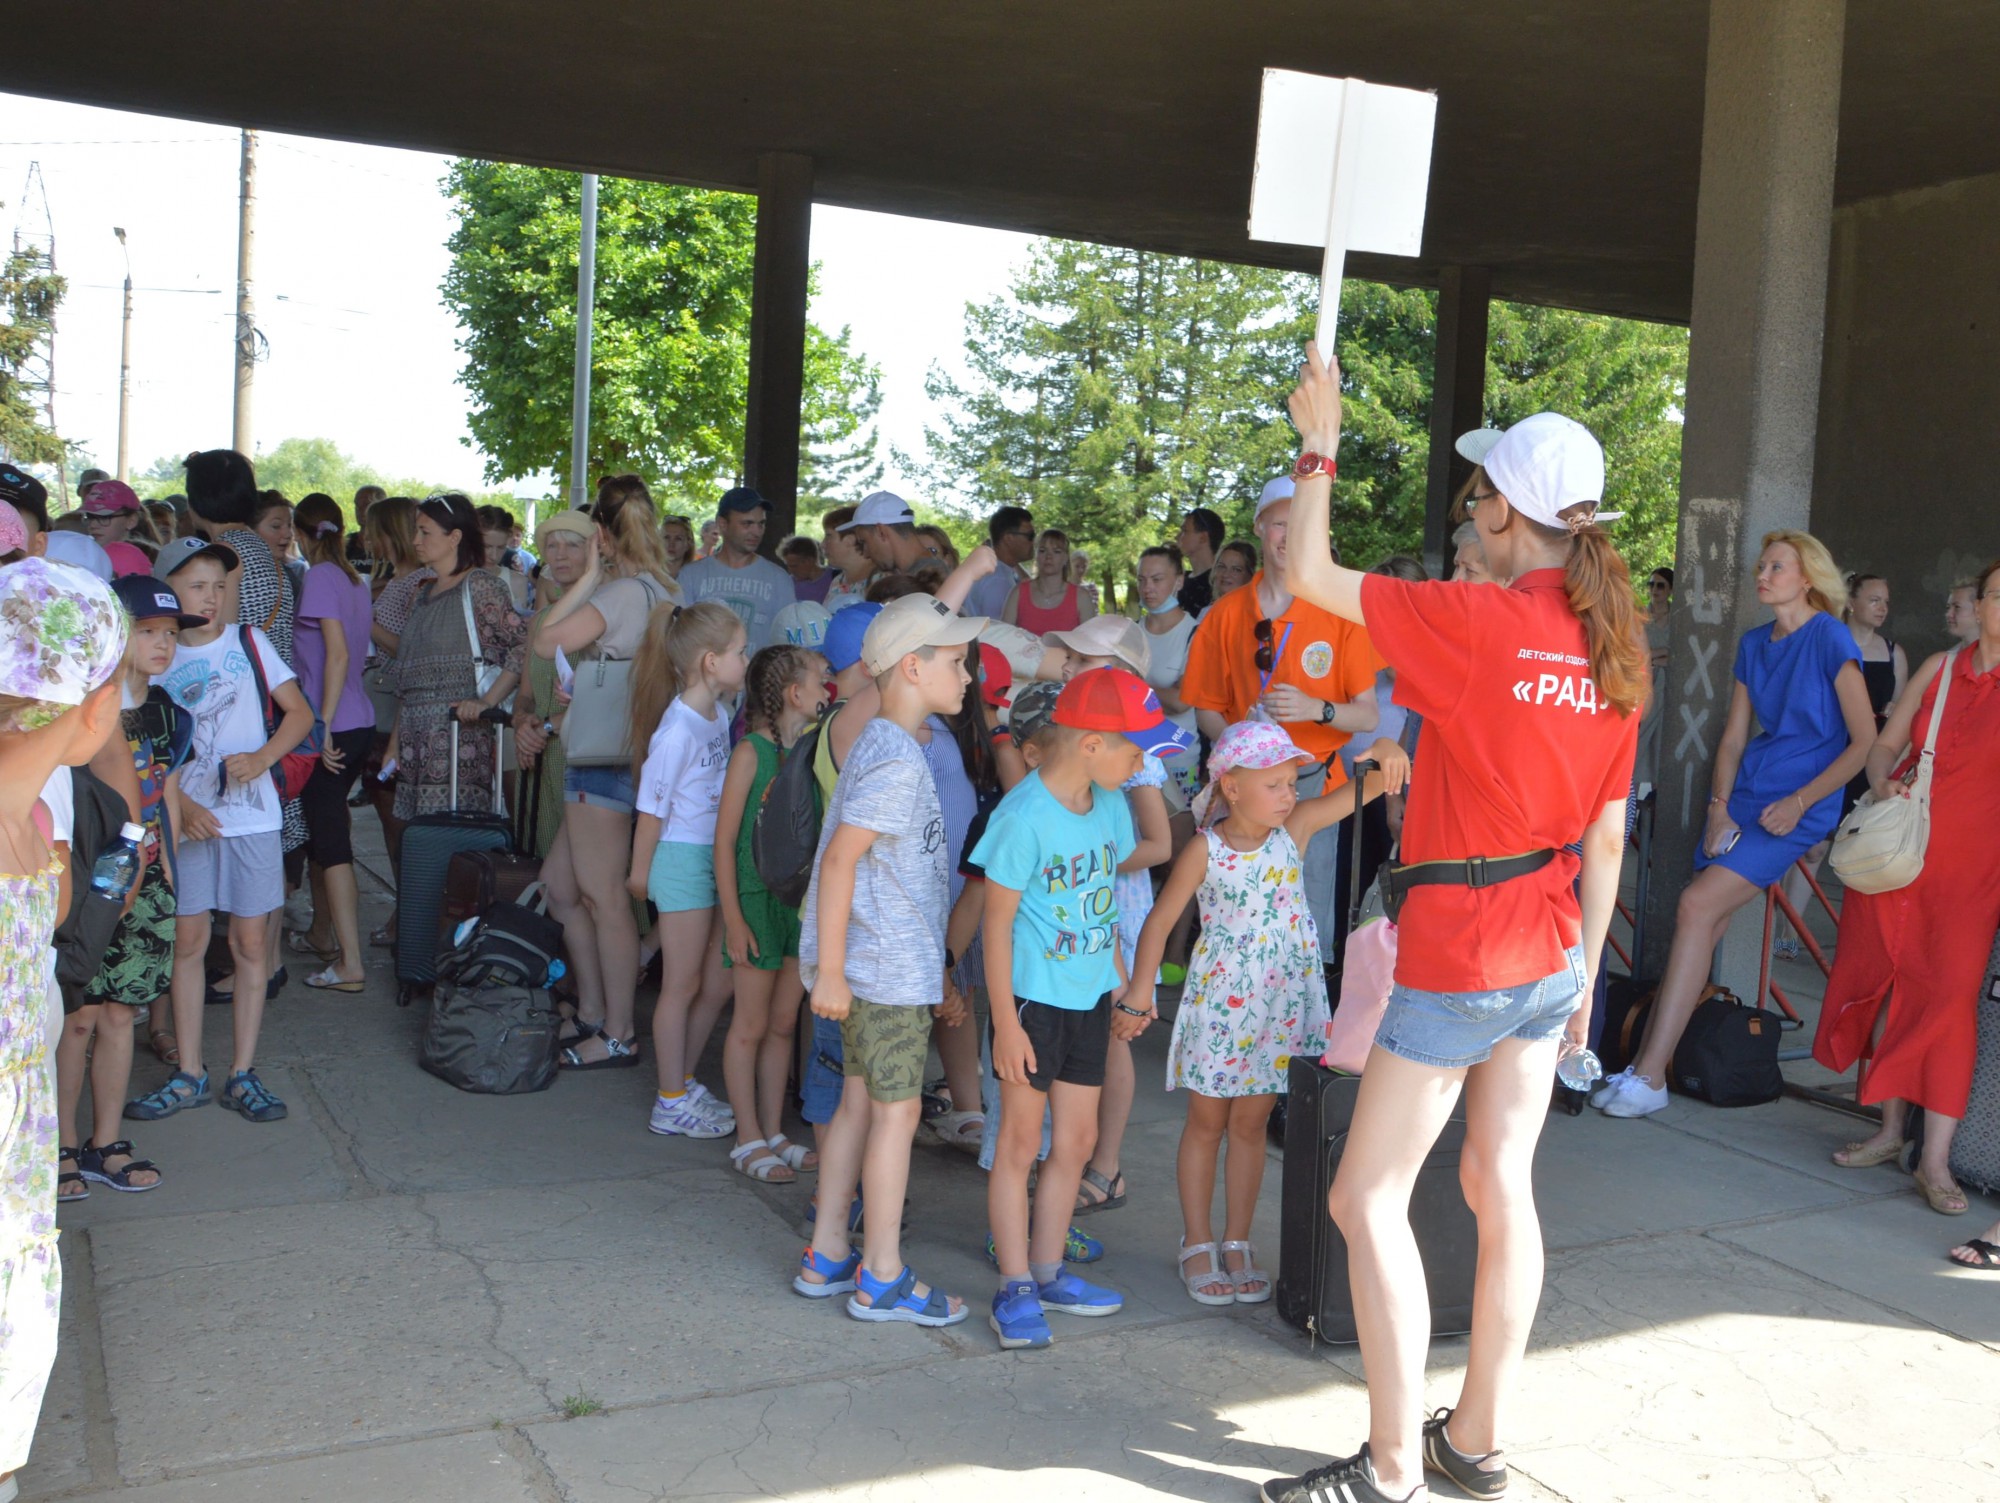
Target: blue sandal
(181, 1091)
(838, 1276)
(897, 1301)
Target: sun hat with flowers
(62, 634)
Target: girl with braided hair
(784, 693)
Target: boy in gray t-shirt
(872, 951)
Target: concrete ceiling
(1568, 141)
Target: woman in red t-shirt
(1530, 698)
(1049, 602)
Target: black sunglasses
(1264, 656)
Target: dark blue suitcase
(429, 843)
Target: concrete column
(1763, 223)
(1458, 397)
(778, 335)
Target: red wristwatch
(1311, 464)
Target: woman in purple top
(335, 615)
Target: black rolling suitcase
(1312, 1290)
(429, 843)
(474, 881)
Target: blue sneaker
(1017, 1317)
(181, 1091)
(246, 1094)
(1072, 1296)
(1077, 1248)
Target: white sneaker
(712, 1106)
(1635, 1098)
(681, 1118)
(1608, 1087)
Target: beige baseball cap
(912, 622)
(1107, 637)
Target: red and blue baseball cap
(1111, 699)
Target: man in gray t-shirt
(736, 575)
(895, 932)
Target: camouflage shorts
(139, 961)
(887, 1047)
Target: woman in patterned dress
(438, 668)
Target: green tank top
(768, 758)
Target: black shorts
(1069, 1043)
(329, 832)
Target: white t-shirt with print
(681, 783)
(213, 683)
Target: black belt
(1474, 871)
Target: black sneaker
(1444, 1458)
(1348, 1481)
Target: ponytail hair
(625, 510)
(322, 533)
(669, 657)
(1599, 586)
(772, 672)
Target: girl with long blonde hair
(688, 664)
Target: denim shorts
(600, 787)
(825, 1078)
(1452, 1030)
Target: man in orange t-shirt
(1260, 653)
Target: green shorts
(774, 926)
(682, 876)
(887, 1047)
(139, 961)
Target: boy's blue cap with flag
(844, 633)
(1110, 699)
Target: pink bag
(1365, 978)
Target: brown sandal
(166, 1048)
(1946, 1202)
(1861, 1156)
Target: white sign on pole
(1343, 164)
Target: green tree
(1111, 390)
(670, 332)
(30, 292)
(300, 466)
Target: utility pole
(125, 368)
(586, 302)
(246, 313)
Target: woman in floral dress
(62, 636)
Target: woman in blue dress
(1772, 798)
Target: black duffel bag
(493, 1039)
(1728, 1054)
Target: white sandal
(766, 1168)
(1215, 1286)
(793, 1155)
(1249, 1273)
(965, 1131)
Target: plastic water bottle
(118, 868)
(1580, 1069)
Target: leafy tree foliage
(1111, 390)
(670, 332)
(30, 292)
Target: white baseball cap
(879, 509)
(1473, 447)
(1275, 491)
(801, 624)
(1547, 463)
(80, 552)
(1107, 637)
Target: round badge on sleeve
(1317, 660)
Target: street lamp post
(125, 367)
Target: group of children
(1071, 947)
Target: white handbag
(484, 674)
(1879, 847)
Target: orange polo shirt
(1516, 755)
(1322, 655)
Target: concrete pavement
(403, 1291)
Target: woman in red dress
(1911, 962)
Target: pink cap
(13, 531)
(1255, 744)
(107, 498)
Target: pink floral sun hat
(13, 531)
(1254, 744)
(62, 634)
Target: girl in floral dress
(1256, 993)
(62, 636)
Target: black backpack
(785, 838)
(86, 930)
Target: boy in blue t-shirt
(1051, 852)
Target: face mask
(1173, 604)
